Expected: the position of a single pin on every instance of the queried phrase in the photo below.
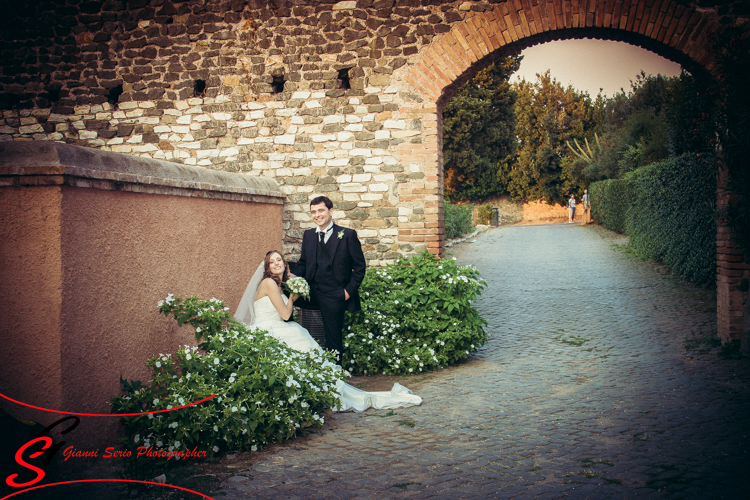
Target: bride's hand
(292, 297)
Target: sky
(589, 65)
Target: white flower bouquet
(298, 286)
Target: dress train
(298, 338)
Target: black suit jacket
(348, 262)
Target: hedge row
(667, 209)
(457, 220)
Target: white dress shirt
(328, 232)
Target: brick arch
(676, 30)
(670, 28)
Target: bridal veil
(245, 312)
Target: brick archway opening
(673, 30)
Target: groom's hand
(346, 295)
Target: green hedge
(457, 220)
(610, 201)
(667, 210)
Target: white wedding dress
(298, 338)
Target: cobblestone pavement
(584, 390)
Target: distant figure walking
(586, 219)
(571, 208)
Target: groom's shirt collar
(328, 230)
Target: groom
(333, 264)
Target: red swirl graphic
(100, 480)
(105, 414)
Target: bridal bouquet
(298, 286)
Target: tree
(478, 132)
(656, 120)
(547, 115)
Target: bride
(270, 309)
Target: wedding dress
(264, 316)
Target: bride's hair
(267, 268)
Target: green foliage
(264, 391)
(666, 209)
(457, 219)
(478, 131)
(587, 155)
(484, 213)
(658, 119)
(547, 116)
(417, 315)
(610, 200)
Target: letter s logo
(20, 461)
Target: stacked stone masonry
(335, 98)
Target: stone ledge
(38, 163)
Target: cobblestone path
(584, 390)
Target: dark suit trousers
(332, 305)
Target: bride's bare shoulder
(268, 285)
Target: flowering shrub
(416, 316)
(264, 391)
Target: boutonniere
(341, 234)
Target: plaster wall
(30, 299)
(121, 253)
(84, 262)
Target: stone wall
(336, 98)
(303, 95)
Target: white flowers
(137, 438)
(254, 448)
(216, 361)
(216, 449)
(299, 286)
(174, 425)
